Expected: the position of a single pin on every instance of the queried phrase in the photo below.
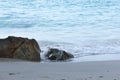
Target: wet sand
(97, 70)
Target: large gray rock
(20, 48)
(58, 55)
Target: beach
(88, 29)
(90, 70)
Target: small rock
(56, 54)
(11, 73)
(100, 76)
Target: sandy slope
(100, 70)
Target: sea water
(81, 27)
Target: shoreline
(90, 58)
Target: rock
(20, 48)
(56, 54)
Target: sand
(97, 70)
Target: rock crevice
(20, 48)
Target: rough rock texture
(20, 48)
(56, 54)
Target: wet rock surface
(20, 48)
(58, 55)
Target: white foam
(105, 57)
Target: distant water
(82, 27)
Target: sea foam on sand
(103, 57)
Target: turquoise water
(64, 13)
(82, 27)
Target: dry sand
(97, 70)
